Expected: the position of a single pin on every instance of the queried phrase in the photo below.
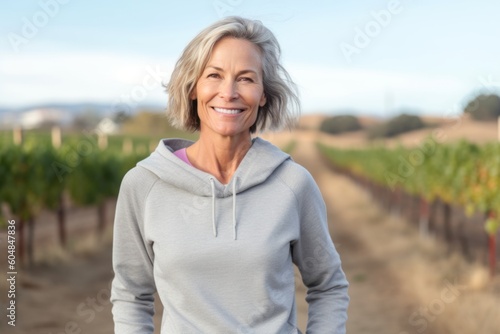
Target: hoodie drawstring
(212, 183)
(214, 226)
(234, 208)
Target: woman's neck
(219, 155)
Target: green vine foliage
(462, 173)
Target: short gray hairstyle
(282, 106)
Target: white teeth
(228, 111)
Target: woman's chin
(231, 131)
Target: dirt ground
(70, 294)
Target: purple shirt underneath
(181, 154)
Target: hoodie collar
(258, 164)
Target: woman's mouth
(227, 110)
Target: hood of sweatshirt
(259, 163)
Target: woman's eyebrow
(240, 72)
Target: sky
(361, 57)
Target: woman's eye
(247, 79)
(213, 75)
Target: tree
(395, 126)
(484, 107)
(339, 124)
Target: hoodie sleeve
(133, 286)
(319, 264)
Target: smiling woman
(215, 226)
(230, 92)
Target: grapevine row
(35, 176)
(462, 174)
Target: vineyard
(47, 172)
(448, 191)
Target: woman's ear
(192, 95)
(263, 100)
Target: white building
(107, 126)
(38, 117)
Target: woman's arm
(320, 265)
(133, 285)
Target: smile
(228, 111)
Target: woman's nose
(228, 90)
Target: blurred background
(400, 128)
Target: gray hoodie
(221, 256)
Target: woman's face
(230, 89)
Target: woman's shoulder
(295, 176)
(138, 179)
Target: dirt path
(69, 298)
(377, 305)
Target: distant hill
(444, 130)
(79, 107)
(10, 116)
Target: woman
(215, 226)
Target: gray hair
(282, 107)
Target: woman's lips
(229, 111)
